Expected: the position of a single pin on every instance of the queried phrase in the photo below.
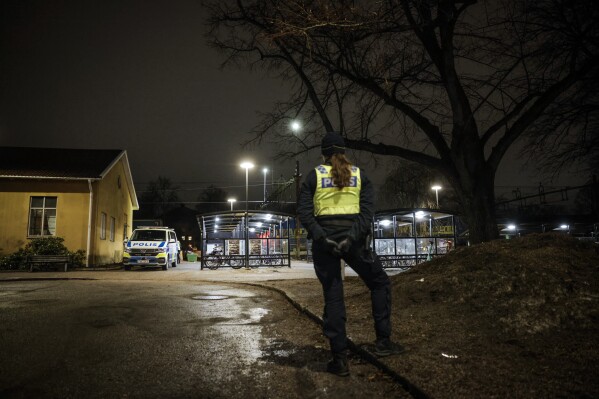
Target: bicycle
(213, 261)
(216, 260)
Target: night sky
(139, 76)
(134, 75)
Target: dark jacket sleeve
(305, 207)
(361, 227)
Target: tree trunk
(480, 217)
(478, 205)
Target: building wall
(71, 211)
(111, 197)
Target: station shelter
(245, 239)
(402, 238)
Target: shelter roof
(231, 220)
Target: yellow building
(85, 196)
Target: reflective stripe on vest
(329, 200)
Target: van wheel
(165, 266)
(174, 264)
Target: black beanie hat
(332, 143)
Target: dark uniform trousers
(369, 268)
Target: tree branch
(536, 109)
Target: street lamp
(231, 200)
(437, 187)
(247, 166)
(265, 171)
(296, 126)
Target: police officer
(336, 206)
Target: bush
(40, 246)
(14, 261)
(78, 258)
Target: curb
(412, 389)
(18, 279)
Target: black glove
(345, 245)
(330, 245)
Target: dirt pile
(508, 318)
(523, 286)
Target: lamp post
(296, 127)
(265, 171)
(247, 166)
(437, 187)
(231, 200)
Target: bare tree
(566, 134)
(408, 185)
(212, 199)
(159, 197)
(448, 84)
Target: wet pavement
(184, 332)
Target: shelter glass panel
(255, 247)
(426, 246)
(444, 245)
(233, 247)
(403, 228)
(406, 246)
(385, 247)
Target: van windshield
(148, 235)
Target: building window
(112, 227)
(103, 226)
(42, 216)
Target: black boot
(338, 365)
(385, 347)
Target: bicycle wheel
(276, 262)
(236, 263)
(212, 262)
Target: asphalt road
(150, 334)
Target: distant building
(85, 196)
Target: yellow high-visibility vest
(329, 200)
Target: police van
(151, 246)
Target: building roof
(61, 163)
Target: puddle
(257, 313)
(209, 297)
(234, 315)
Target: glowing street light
(296, 126)
(231, 200)
(437, 187)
